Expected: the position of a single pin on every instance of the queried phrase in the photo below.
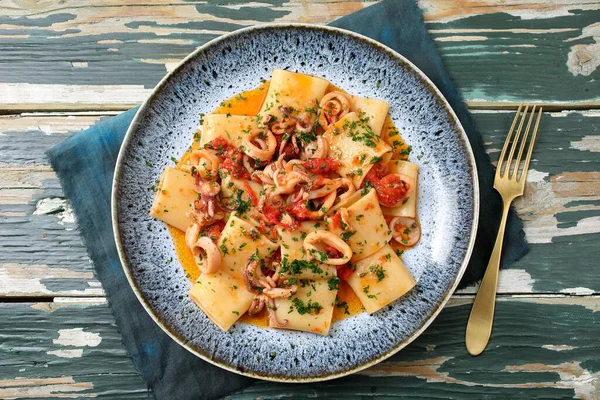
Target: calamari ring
(317, 148)
(334, 106)
(205, 162)
(327, 186)
(329, 239)
(405, 230)
(342, 198)
(305, 122)
(409, 184)
(208, 264)
(191, 234)
(267, 148)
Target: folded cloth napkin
(170, 371)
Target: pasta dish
(292, 207)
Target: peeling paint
(66, 353)
(583, 59)
(60, 302)
(513, 30)
(544, 198)
(587, 143)
(83, 95)
(63, 387)
(461, 38)
(77, 337)
(560, 347)
(57, 206)
(509, 281)
(20, 279)
(578, 291)
(572, 376)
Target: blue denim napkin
(85, 165)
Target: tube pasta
(310, 309)
(276, 207)
(292, 90)
(174, 195)
(233, 128)
(374, 111)
(408, 208)
(356, 147)
(222, 297)
(380, 279)
(368, 230)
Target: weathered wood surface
(540, 348)
(44, 256)
(68, 348)
(85, 55)
(58, 338)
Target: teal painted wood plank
(502, 57)
(64, 349)
(536, 351)
(540, 348)
(495, 54)
(561, 207)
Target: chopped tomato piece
(250, 193)
(219, 144)
(344, 271)
(273, 215)
(336, 220)
(320, 166)
(332, 252)
(288, 149)
(299, 210)
(375, 173)
(214, 230)
(391, 189)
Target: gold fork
(510, 186)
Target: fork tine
(531, 143)
(523, 142)
(510, 132)
(515, 142)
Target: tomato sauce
(249, 103)
(321, 166)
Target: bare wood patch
(63, 387)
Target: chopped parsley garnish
(333, 283)
(224, 249)
(297, 266)
(309, 308)
(241, 205)
(375, 159)
(366, 291)
(378, 271)
(343, 305)
(367, 186)
(347, 235)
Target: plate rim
(276, 378)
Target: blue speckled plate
(448, 198)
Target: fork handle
(479, 327)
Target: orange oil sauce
(249, 103)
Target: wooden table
(65, 65)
